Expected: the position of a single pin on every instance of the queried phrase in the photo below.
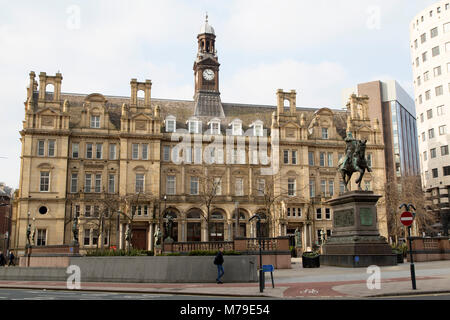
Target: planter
(399, 254)
(311, 262)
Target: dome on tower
(206, 28)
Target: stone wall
(160, 269)
(430, 249)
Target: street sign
(407, 218)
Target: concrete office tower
(395, 112)
(430, 56)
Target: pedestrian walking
(218, 261)
(11, 258)
(2, 259)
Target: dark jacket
(2, 260)
(219, 258)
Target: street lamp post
(28, 245)
(258, 233)
(118, 231)
(162, 224)
(236, 208)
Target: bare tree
(210, 183)
(109, 210)
(129, 203)
(406, 190)
(111, 204)
(273, 193)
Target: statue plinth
(356, 241)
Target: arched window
(216, 226)
(194, 226)
(49, 91)
(242, 231)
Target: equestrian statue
(354, 160)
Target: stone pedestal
(356, 241)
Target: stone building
(121, 164)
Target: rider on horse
(354, 160)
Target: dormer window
(236, 127)
(95, 121)
(257, 128)
(171, 124)
(214, 126)
(325, 133)
(195, 126)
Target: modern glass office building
(395, 111)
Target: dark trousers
(220, 272)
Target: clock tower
(206, 74)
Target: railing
(267, 244)
(210, 246)
(248, 245)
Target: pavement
(325, 282)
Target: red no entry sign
(407, 218)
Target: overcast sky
(315, 47)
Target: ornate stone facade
(115, 162)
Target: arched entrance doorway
(194, 226)
(174, 233)
(264, 225)
(216, 226)
(242, 230)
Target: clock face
(208, 74)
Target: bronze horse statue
(354, 161)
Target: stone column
(304, 242)
(150, 236)
(228, 181)
(250, 178)
(183, 184)
(310, 236)
(181, 230)
(121, 236)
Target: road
(29, 294)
